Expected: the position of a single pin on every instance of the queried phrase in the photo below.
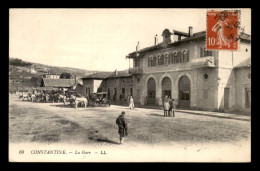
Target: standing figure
(131, 103)
(166, 106)
(170, 112)
(173, 108)
(219, 28)
(122, 127)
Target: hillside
(25, 75)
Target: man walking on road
(122, 127)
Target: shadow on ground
(225, 117)
(62, 106)
(93, 135)
(154, 114)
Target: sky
(96, 39)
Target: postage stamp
(222, 30)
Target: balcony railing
(135, 70)
(207, 61)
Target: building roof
(176, 32)
(46, 88)
(244, 64)
(195, 36)
(124, 73)
(48, 82)
(98, 75)
(79, 81)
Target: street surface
(55, 123)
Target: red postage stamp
(222, 30)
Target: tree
(34, 81)
(19, 62)
(65, 75)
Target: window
(149, 62)
(185, 56)
(171, 56)
(158, 60)
(205, 76)
(207, 53)
(185, 95)
(154, 63)
(115, 91)
(123, 93)
(179, 57)
(204, 52)
(201, 52)
(166, 59)
(175, 57)
(162, 60)
(108, 93)
(151, 94)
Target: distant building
(92, 83)
(33, 71)
(61, 84)
(77, 87)
(51, 76)
(118, 84)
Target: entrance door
(123, 93)
(226, 98)
(108, 93)
(184, 92)
(151, 89)
(115, 94)
(166, 87)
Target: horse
(20, 95)
(62, 98)
(55, 97)
(78, 100)
(47, 97)
(25, 95)
(33, 97)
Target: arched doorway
(151, 91)
(184, 92)
(166, 87)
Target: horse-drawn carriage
(75, 99)
(26, 95)
(99, 99)
(44, 94)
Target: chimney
(75, 78)
(116, 73)
(137, 46)
(190, 31)
(155, 40)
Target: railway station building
(182, 68)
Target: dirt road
(52, 122)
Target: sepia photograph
(129, 85)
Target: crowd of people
(169, 106)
